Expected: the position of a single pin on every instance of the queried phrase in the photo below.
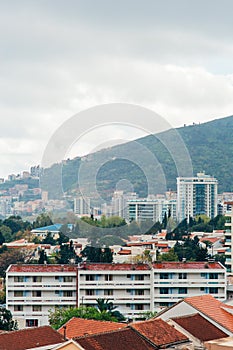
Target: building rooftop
(125, 338)
(187, 265)
(195, 324)
(29, 338)
(41, 268)
(77, 327)
(117, 267)
(214, 309)
(159, 332)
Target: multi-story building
(32, 290)
(151, 209)
(229, 236)
(82, 206)
(196, 195)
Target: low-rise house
(160, 333)
(77, 327)
(122, 339)
(197, 328)
(40, 338)
(214, 311)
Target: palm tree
(106, 306)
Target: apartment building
(197, 195)
(151, 209)
(33, 290)
(229, 236)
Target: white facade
(229, 238)
(197, 195)
(82, 206)
(153, 210)
(32, 290)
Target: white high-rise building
(82, 206)
(196, 196)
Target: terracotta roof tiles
(159, 332)
(122, 339)
(195, 324)
(214, 309)
(77, 327)
(29, 338)
(187, 265)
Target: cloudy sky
(60, 57)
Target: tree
(42, 220)
(105, 306)
(14, 256)
(6, 232)
(43, 257)
(62, 238)
(49, 239)
(67, 253)
(6, 321)
(170, 256)
(96, 254)
(59, 316)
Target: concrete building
(82, 206)
(32, 290)
(196, 195)
(229, 236)
(150, 209)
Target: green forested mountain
(210, 146)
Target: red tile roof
(117, 267)
(187, 265)
(42, 268)
(123, 339)
(159, 332)
(29, 338)
(124, 252)
(77, 327)
(214, 309)
(195, 324)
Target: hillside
(210, 146)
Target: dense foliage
(104, 311)
(6, 321)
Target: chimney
(64, 334)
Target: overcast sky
(60, 57)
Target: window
(57, 291)
(183, 276)
(18, 279)
(139, 292)
(164, 290)
(164, 276)
(68, 293)
(37, 279)
(68, 279)
(108, 277)
(18, 293)
(182, 290)
(32, 323)
(139, 277)
(213, 290)
(90, 292)
(18, 307)
(108, 292)
(202, 289)
(36, 308)
(213, 276)
(90, 277)
(203, 275)
(128, 276)
(139, 307)
(36, 293)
